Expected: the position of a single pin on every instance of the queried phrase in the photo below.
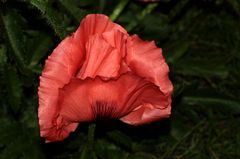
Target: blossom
(100, 71)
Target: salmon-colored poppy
(102, 72)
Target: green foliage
(52, 16)
(73, 10)
(19, 142)
(14, 88)
(44, 44)
(10, 22)
(200, 40)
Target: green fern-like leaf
(52, 16)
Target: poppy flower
(100, 71)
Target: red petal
(96, 24)
(146, 113)
(145, 59)
(104, 56)
(125, 96)
(99, 47)
(74, 101)
(59, 68)
(80, 97)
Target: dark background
(201, 43)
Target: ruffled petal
(96, 24)
(60, 66)
(145, 59)
(104, 55)
(146, 113)
(131, 98)
(150, 105)
(96, 49)
(59, 131)
(86, 100)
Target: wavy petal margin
(100, 42)
(61, 66)
(147, 61)
(58, 70)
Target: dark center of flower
(103, 109)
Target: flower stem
(119, 8)
(91, 132)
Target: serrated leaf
(52, 16)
